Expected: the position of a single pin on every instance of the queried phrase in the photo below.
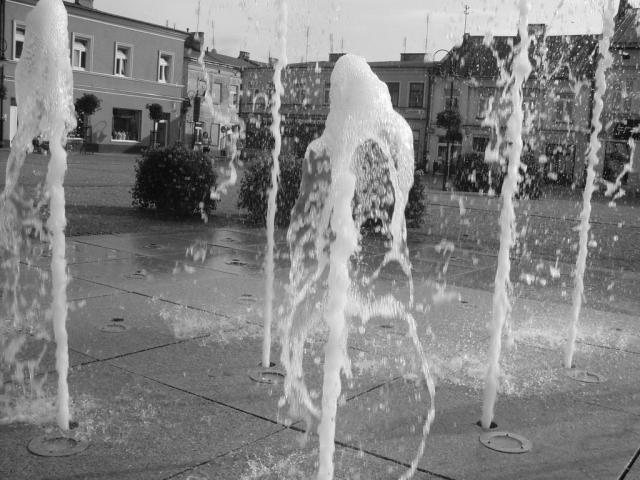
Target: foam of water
(592, 161)
(44, 91)
(501, 304)
(275, 173)
(364, 138)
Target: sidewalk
(169, 394)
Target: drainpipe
(428, 115)
(3, 48)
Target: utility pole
(466, 14)
(198, 19)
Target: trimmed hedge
(473, 173)
(174, 180)
(253, 193)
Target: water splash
(276, 101)
(501, 305)
(364, 138)
(44, 91)
(592, 161)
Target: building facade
(305, 103)
(128, 64)
(213, 84)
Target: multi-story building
(621, 114)
(557, 100)
(221, 77)
(305, 103)
(128, 64)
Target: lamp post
(3, 48)
(449, 108)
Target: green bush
(472, 175)
(174, 180)
(254, 188)
(257, 179)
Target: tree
(450, 120)
(86, 105)
(155, 114)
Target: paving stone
(136, 428)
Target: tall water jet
(592, 160)
(276, 101)
(44, 91)
(364, 139)
(521, 68)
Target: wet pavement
(164, 350)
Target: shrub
(254, 188)
(253, 193)
(174, 180)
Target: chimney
(412, 57)
(272, 61)
(85, 3)
(244, 55)
(333, 57)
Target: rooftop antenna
(342, 45)
(213, 34)
(198, 17)
(466, 14)
(405, 44)
(331, 43)
(306, 51)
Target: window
(479, 144)
(416, 95)
(216, 91)
(451, 97)
(80, 53)
(300, 92)
(485, 95)
(563, 111)
(165, 70)
(327, 93)
(394, 92)
(19, 32)
(126, 125)
(233, 95)
(123, 59)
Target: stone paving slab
(283, 456)
(137, 429)
(571, 439)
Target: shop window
(327, 92)
(126, 125)
(233, 95)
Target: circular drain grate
(236, 263)
(137, 275)
(56, 446)
(583, 376)
(269, 376)
(493, 425)
(505, 442)
(114, 327)
(152, 246)
(247, 298)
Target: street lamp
(449, 108)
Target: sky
(375, 29)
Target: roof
(553, 56)
(626, 34)
(214, 56)
(95, 12)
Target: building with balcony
(128, 64)
(557, 100)
(213, 83)
(305, 103)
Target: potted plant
(155, 114)
(86, 106)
